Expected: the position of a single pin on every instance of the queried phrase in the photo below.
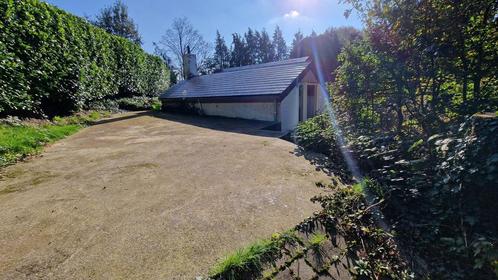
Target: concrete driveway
(149, 197)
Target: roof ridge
(267, 64)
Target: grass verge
(21, 139)
(251, 259)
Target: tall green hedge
(54, 63)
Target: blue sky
(153, 17)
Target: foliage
(138, 103)
(238, 52)
(82, 118)
(221, 52)
(345, 213)
(325, 47)
(401, 93)
(53, 63)
(266, 51)
(316, 134)
(254, 47)
(317, 239)
(115, 20)
(295, 50)
(252, 51)
(441, 195)
(427, 63)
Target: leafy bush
(316, 134)
(104, 105)
(54, 63)
(441, 194)
(137, 103)
(82, 118)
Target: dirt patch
(149, 197)
(25, 182)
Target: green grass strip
(20, 140)
(17, 142)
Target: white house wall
(289, 110)
(263, 111)
(321, 100)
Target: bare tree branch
(176, 39)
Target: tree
(296, 44)
(324, 47)
(438, 58)
(115, 20)
(251, 46)
(238, 51)
(257, 53)
(180, 36)
(173, 79)
(221, 53)
(266, 50)
(279, 45)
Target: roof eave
(226, 99)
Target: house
(284, 92)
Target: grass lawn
(19, 141)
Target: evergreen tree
(267, 52)
(115, 20)
(279, 45)
(296, 45)
(238, 52)
(221, 53)
(251, 46)
(258, 50)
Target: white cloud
(292, 17)
(292, 14)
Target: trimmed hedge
(54, 63)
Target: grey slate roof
(261, 79)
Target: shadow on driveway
(251, 127)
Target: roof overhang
(227, 99)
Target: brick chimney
(189, 65)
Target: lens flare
(341, 141)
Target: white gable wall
(289, 110)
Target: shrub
(54, 63)
(137, 103)
(316, 134)
(441, 194)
